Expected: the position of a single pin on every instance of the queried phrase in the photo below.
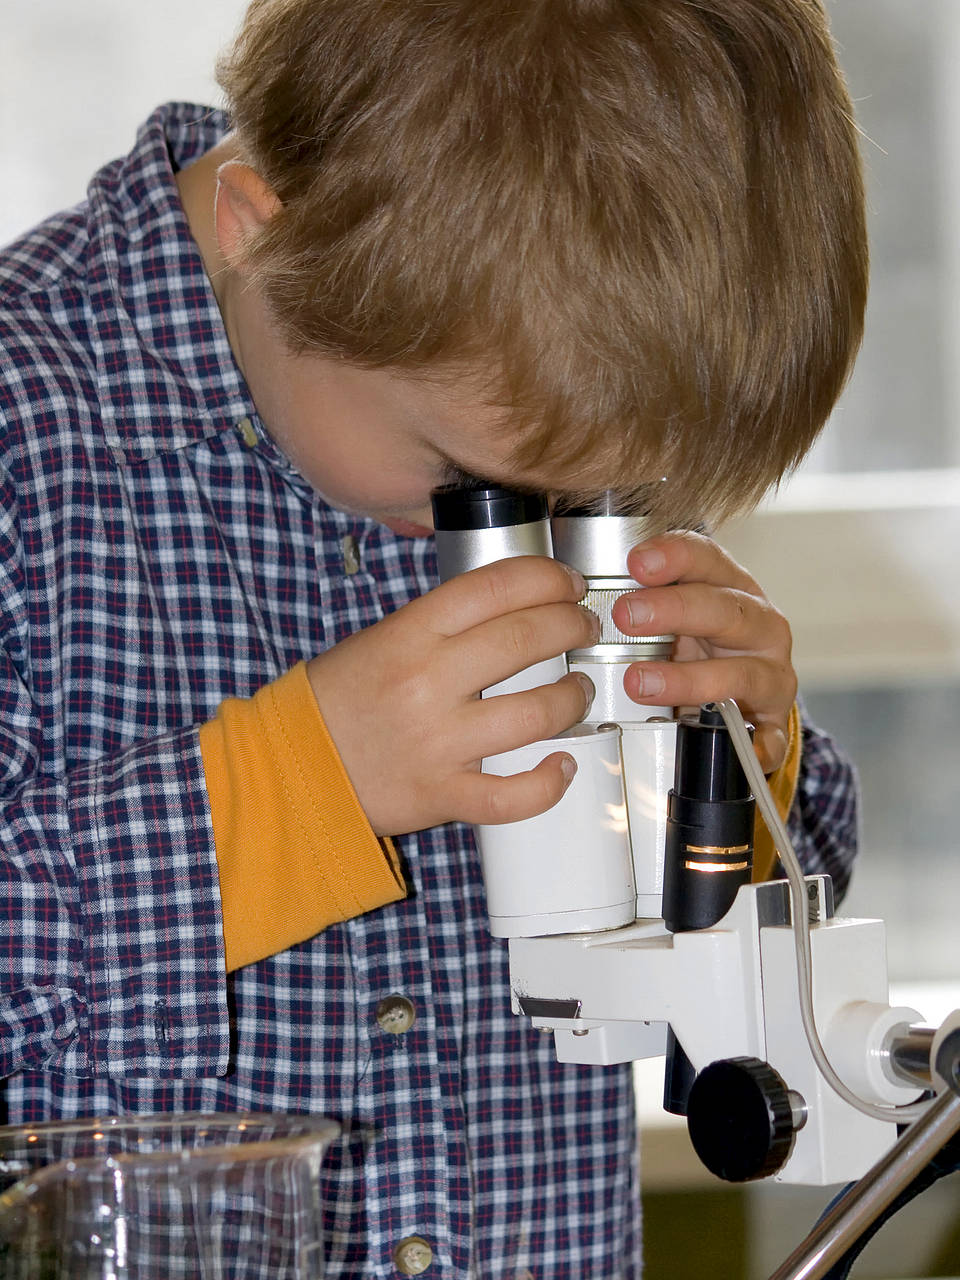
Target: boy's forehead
(457, 415)
(487, 441)
(497, 465)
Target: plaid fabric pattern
(825, 820)
(157, 556)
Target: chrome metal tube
(908, 1055)
(597, 545)
(843, 1225)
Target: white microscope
(635, 931)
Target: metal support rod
(909, 1055)
(843, 1225)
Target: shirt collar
(167, 375)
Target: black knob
(740, 1119)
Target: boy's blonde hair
(641, 220)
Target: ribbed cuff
(295, 851)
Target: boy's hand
(731, 641)
(400, 699)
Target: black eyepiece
(459, 507)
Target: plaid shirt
(158, 554)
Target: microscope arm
(729, 992)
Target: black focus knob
(740, 1119)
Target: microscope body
(728, 993)
(579, 893)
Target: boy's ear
(244, 204)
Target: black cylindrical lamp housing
(709, 842)
(708, 852)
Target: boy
(567, 245)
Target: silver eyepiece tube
(597, 545)
(478, 526)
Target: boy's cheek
(408, 528)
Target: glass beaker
(166, 1197)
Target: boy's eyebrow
(453, 474)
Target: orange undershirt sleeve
(295, 851)
(783, 784)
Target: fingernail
(638, 611)
(651, 561)
(589, 689)
(594, 622)
(568, 767)
(579, 582)
(775, 750)
(650, 683)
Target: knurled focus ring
(613, 644)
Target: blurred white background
(77, 79)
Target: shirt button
(412, 1256)
(249, 433)
(396, 1014)
(351, 555)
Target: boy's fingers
(487, 800)
(729, 618)
(687, 557)
(763, 690)
(520, 582)
(511, 720)
(770, 743)
(500, 647)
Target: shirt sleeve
(824, 821)
(111, 953)
(109, 922)
(295, 851)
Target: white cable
(801, 921)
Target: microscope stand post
(866, 1200)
